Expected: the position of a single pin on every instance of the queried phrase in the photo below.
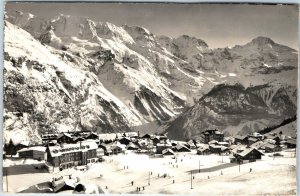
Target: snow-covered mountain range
(72, 73)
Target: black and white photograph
(150, 98)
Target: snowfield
(269, 176)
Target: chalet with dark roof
(92, 136)
(210, 135)
(65, 138)
(241, 139)
(249, 154)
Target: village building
(49, 137)
(146, 136)
(163, 137)
(125, 140)
(239, 139)
(197, 143)
(77, 139)
(131, 134)
(217, 149)
(271, 148)
(252, 140)
(226, 144)
(118, 148)
(143, 143)
(155, 140)
(238, 148)
(181, 148)
(113, 148)
(190, 144)
(35, 152)
(22, 144)
(92, 136)
(257, 145)
(65, 138)
(210, 135)
(51, 143)
(249, 154)
(204, 150)
(257, 135)
(131, 146)
(69, 155)
(161, 146)
(213, 142)
(273, 136)
(167, 151)
(63, 183)
(100, 152)
(291, 143)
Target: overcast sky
(219, 25)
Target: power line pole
(149, 178)
(191, 180)
(6, 181)
(199, 166)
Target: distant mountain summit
(74, 73)
(262, 41)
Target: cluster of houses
(269, 142)
(65, 150)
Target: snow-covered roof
(213, 142)
(34, 148)
(247, 151)
(164, 144)
(241, 137)
(110, 136)
(64, 134)
(203, 148)
(131, 134)
(68, 148)
(115, 144)
(258, 144)
(238, 148)
(268, 145)
(180, 146)
(252, 139)
(25, 143)
(167, 150)
(223, 143)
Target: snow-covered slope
(44, 93)
(114, 77)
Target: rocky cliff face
(235, 110)
(72, 73)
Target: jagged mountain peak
(141, 35)
(262, 40)
(138, 29)
(192, 39)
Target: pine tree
(10, 148)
